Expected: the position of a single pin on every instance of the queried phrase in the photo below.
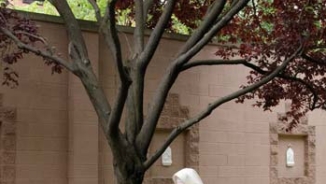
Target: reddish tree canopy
(20, 29)
(263, 34)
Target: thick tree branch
(109, 31)
(139, 29)
(135, 105)
(76, 38)
(144, 59)
(97, 97)
(145, 136)
(69, 66)
(203, 114)
(214, 13)
(156, 34)
(147, 131)
(184, 57)
(118, 108)
(79, 54)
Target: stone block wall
(58, 139)
(234, 140)
(8, 134)
(41, 119)
(303, 140)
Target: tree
(282, 42)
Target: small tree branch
(184, 57)
(109, 31)
(139, 29)
(291, 78)
(147, 5)
(39, 38)
(212, 62)
(311, 59)
(255, 68)
(96, 10)
(203, 114)
(214, 13)
(69, 66)
(323, 46)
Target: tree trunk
(128, 168)
(134, 178)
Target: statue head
(186, 176)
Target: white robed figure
(186, 176)
(290, 157)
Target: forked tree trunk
(128, 168)
(129, 178)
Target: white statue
(186, 176)
(289, 157)
(167, 157)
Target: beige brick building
(49, 131)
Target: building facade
(49, 131)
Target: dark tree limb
(214, 12)
(322, 46)
(203, 114)
(76, 38)
(135, 103)
(257, 69)
(146, 56)
(212, 62)
(96, 10)
(139, 29)
(156, 35)
(118, 108)
(223, 21)
(147, 131)
(145, 136)
(109, 32)
(290, 78)
(39, 38)
(147, 5)
(79, 54)
(311, 59)
(68, 65)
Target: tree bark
(128, 166)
